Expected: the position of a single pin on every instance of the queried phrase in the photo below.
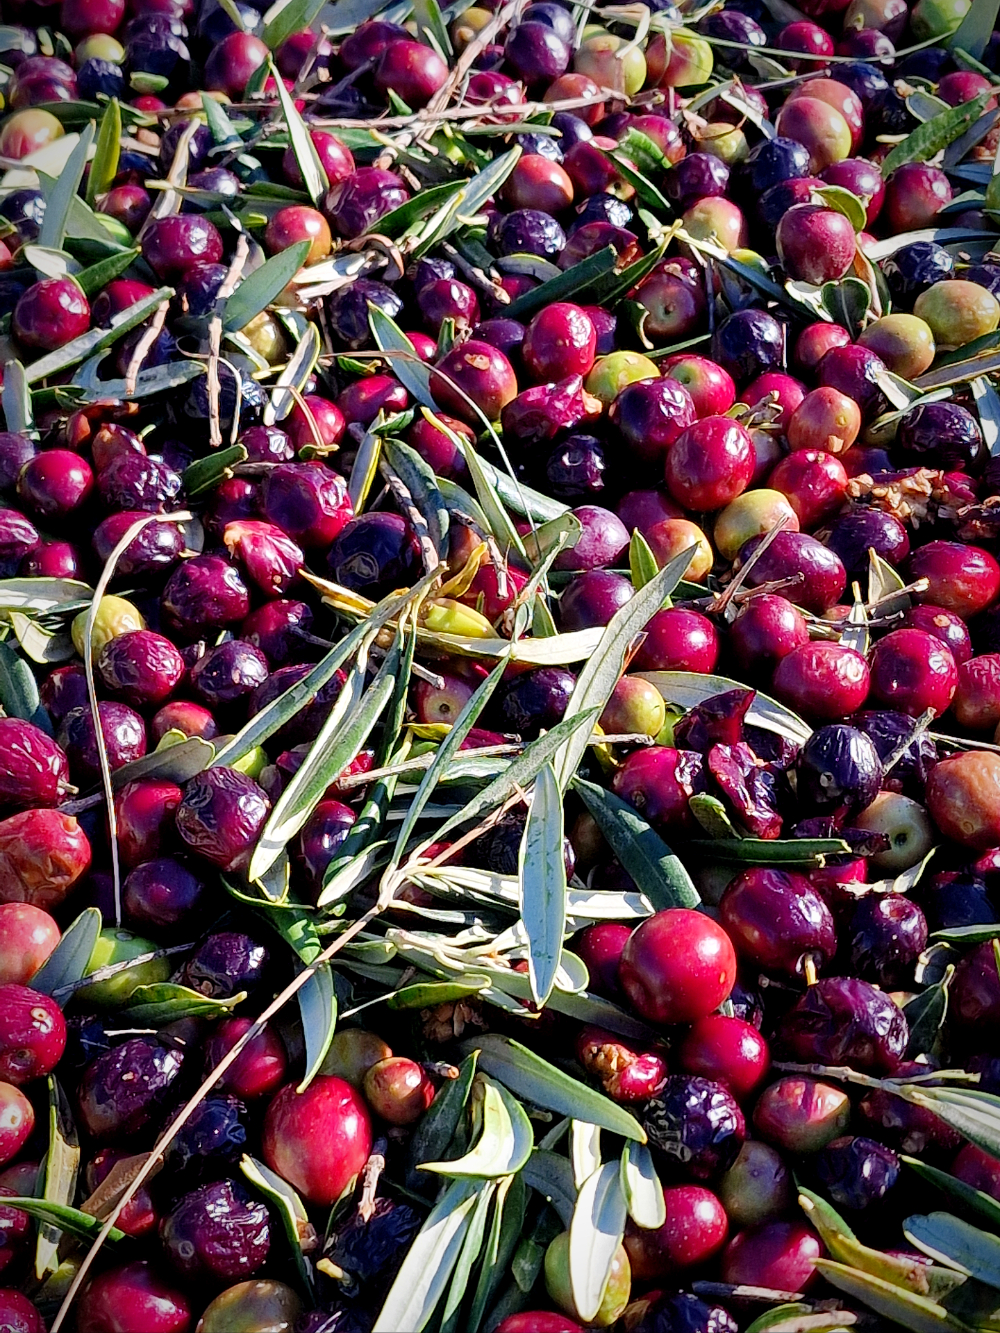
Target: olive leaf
(974, 1114)
(774, 852)
(256, 292)
(657, 871)
(67, 963)
(419, 479)
(585, 1150)
(91, 280)
(687, 689)
(977, 1201)
(16, 400)
(60, 197)
(421, 1281)
(641, 561)
(504, 1144)
(568, 286)
(641, 1186)
(63, 1217)
(436, 1129)
(469, 1252)
(935, 134)
(595, 1234)
(973, 33)
(925, 1015)
(166, 1002)
(309, 163)
(411, 372)
(847, 302)
(294, 375)
(916, 1313)
(505, 1230)
(104, 165)
(542, 877)
(291, 1210)
(62, 1164)
(96, 340)
(205, 473)
(527, 1075)
(19, 689)
(956, 1243)
(286, 17)
(318, 1011)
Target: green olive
(261, 1306)
(118, 946)
(115, 616)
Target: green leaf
(641, 561)
(501, 526)
(542, 875)
(977, 1201)
(295, 374)
(952, 1241)
(60, 197)
(346, 15)
(915, 1313)
(60, 1215)
(175, 763)
(347, 727)
(234, 13)
(974, 1114)
(289, 1207)
(18, 688)
(67, 963)
(16, 400)
(843, 201)
(205, 473)
(776, 852)
(421, 1281)
(318, 1011)
(925, 1015)
(427, 994)
(309, 163)
(281, 20)
(256, 292)
(411, 372)
(505, 1230)
(468, 201)
(62, 1163)
(777, 1319)
(91, 280)
(468, 1255)
(166, 1002)
(603, 669)
(272, 718)
(688, 688)
(847, 302)
(419, 479)
(222, 128)
(594, 1236)
(96, 340)
(435, 1131)
(658, 872)
(104, 164)
(431, 27)
(504, 1145)
(933, 135)
(641, 1186)
(569, 285)
(528, 1076)
(974, 32)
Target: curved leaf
(256, 292)
(688, 688)
(594, 1236)
(952, 1241)
(935, 134)
(641, 1186)
(318, 1011)
(67, 963)
(505, 1142)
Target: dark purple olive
(886, 935)
(792, 554)
(856, 1172)
(224, 963)
(18, 538)
(204, 593)
(211, 1142)
(603, 540)
(136, 482)
(575, 469)
(682, 1313)
(156, 548)
(162, 895)
(199, 143)
(121, 1090)
(748, 343)
(695, 1126)
(942, 435)
(63, 689)
(697, 176)
(34, 770)
(888, 730)
(526, 231)
(141, 666)
(593, 598)
(855, 371)
(267, 444)
(733, 26)
(536, 700)
(308, 501)
(374, 554)
(913, 268)
(845, 1021)
(536, 53)
(506, 335)
(217, 1233)
(225, 677)
(124, 738)
(276, 629)
(602, 208)
(308, 720)
(771, 162)
(859, 530)
(348, 310)
(15, 451)
(956, 898)
(356, 203)
(198, 289)
(322, 838)
(838, 771)
(221, 816)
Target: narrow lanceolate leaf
(282, 19)
(912, 1312)
(594, 1236)
(67, 962)
(166, 1002)
(988, 409)
(552, 1176)
(602, 671)
(585, 1150)
(974, 1114)
(418, 478)
(61, 1215)
(104, 164)
(429, 1262)
(688, 688)
(469, 1253)
(313, 172)
(349, 724)
(436, 1129)
(318, 1011)
(542, 876)
(62, 1163)
(925, 1015)
(952, 1241)
(468, 201)
(973, 33)
(933, 135)
(431, 25)
(289, 1207)
(301, 365)
(60, 198)
(528, 1075)
(16, 399)
(641, 1186)
(91, 280)
(641, 561)
(657, 871)
(256, 292)
(406, 365)
(505, 1230)
(977, 1201)
(206, 473)
(18, 687)
(778, 852)
(504, 1144)
(501, 525)
(96, 340)
(281, 710)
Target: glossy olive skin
(318, 1140)
(131, 1297)
(677, 967)
(121, 1090)
(221, 815)
(216, 1233)
(259, 1305)
(777, 921)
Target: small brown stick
(370, 1178)
(150, 335)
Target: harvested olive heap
(500, 667)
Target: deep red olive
(204, 592)
(131, 1297)
(28, 934)
(777, 921)
(413, 71)
(124, 734)
(34, 770)
(55, 483)
(231, 63)
(710, 464)
(913, 671)
(139, 1216)
(677, 967)
(777, 1254)
(19, 1315)
(50, 314)
(145, 813)
(962, 579)
(32, 1034)
(659, 781)
(17, 1120)
(173, 245)
(318, 1140)
(307, 501)
(823, 681)
(729, 1050)
(259, 1068)
(398, 1090)
(561, 340)
(141, 666)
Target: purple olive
(34, 770)
(141, 666)
(124, 738)
(226, 677)
(276, 629)
(224, 963)
(217, 1233)
(221, 815)
(121, 1090)
(203, 593)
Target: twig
(142, 347)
